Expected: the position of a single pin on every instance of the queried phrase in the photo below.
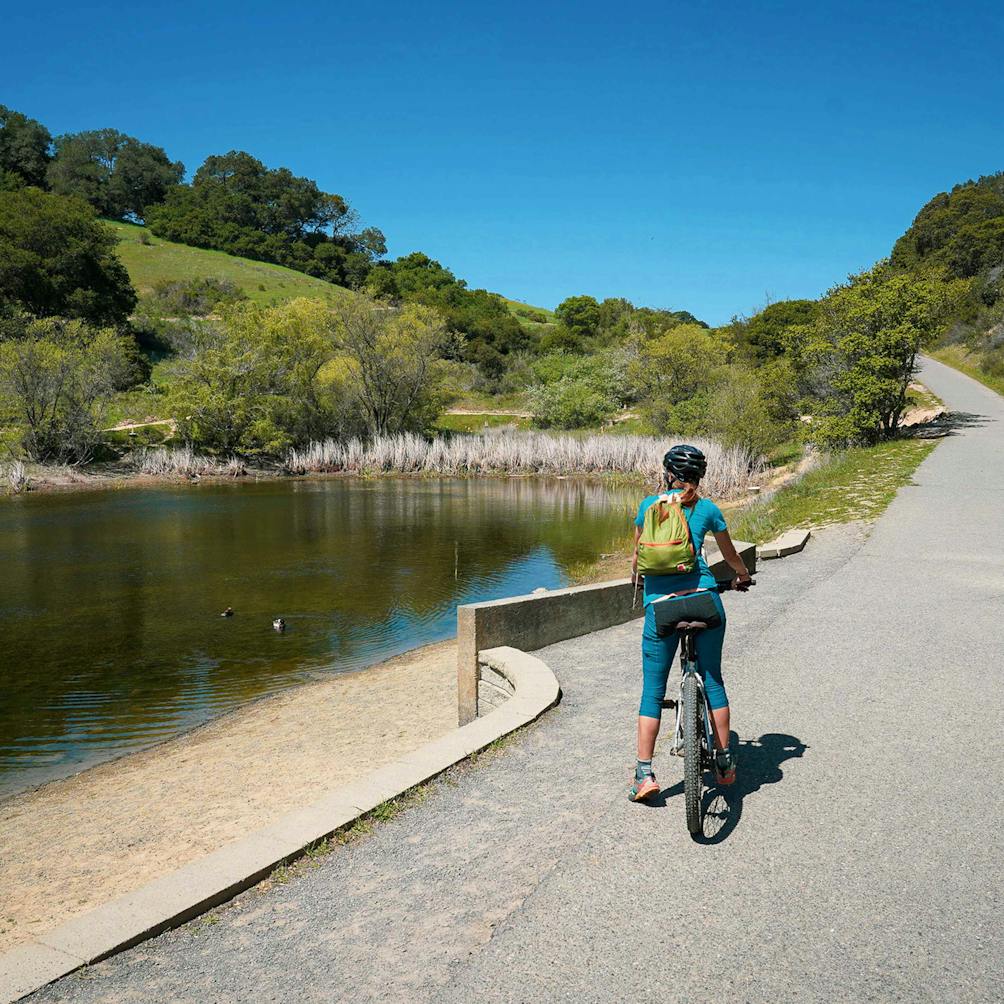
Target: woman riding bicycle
(683, 468)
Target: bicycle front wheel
(692, 726)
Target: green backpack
(666, 545)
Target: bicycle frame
(688, 664)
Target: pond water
(110, 630)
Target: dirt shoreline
(43, 480)
(73, 844)
(49, 480)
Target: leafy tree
(764, 336)
(272, 201)
(487, 331)
(584, 324)
(56, 259)
(752, 409)
(251, 385)
(579, 320)
(865, 342)
(412, 276)
(238, 205)
(976, 248)
(390, 365)
(24, 147)
(56, 379)
(952, 228)
(119, 175)
(615, 318)
(561, 340)
(673, 369)
(651, 322)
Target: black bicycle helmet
(685, 462)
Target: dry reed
(183, 461)
(508, 451)
(16, 476)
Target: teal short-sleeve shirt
(703, 518)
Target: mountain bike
(688, 615)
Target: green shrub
(572, 404)
(574, 392)
(56, 380)
(739, 413)
(195, 297)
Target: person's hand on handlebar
(742, 581)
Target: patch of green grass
(477, 423)
(966, 362)
(919, 396)
(855, 485)
(789, 452)
(150, 260)
(494, 749)
(528, 312)
(633, 426)
(472, 401)
(206, 920)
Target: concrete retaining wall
(540, 619)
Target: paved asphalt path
(857, 859)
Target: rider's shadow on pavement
(759, 763)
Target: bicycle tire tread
(692, 724)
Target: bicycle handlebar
(726, 586)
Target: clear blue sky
(692, 155)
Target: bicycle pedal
(670, 704)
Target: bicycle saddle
(691, 625)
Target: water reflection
(110, 634)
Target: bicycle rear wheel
(693, 723)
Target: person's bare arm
(731, 556)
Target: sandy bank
(74, 844)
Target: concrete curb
(790, 542)
(203, 884)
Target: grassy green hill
(150, 260)
(527, 312)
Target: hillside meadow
(151, 261)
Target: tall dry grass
(510, 451)
(16, 476)
(182, 461)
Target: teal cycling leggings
(657, 659)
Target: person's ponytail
(689, 494)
